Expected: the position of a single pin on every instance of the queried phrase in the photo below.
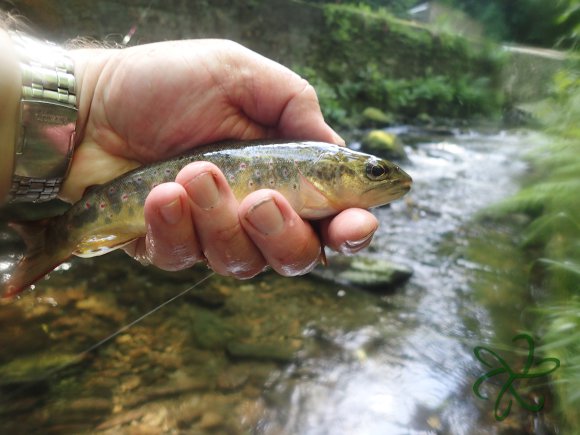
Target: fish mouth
(405, 184)
(397, 188)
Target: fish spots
(87, 205)
(124, 197)
(243, 166)
(102, 205)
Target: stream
(277, 355)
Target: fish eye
(376, 171)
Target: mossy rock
(383, 144)
(373, 117)
(364, 272)
(37, 367)
(211, 331)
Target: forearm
(10, 89)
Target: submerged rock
(383, 144)
(364, 272)
(212, 332)
(36, 367)
(281, 352)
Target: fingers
(350, 231)
(214, 213)
(288, 243)
(198, 218)
(170, 243)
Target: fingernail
(339, 140)
(203, 191)
(352, 246)
(266, 217)
(172, 212)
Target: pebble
(188, 414)
(121, 419)
(211, 420)
(231, 379)
(130, 383)
(144, 395)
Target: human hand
(152, 102)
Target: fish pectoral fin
(314, 204)
(101, 245)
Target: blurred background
(479, 102)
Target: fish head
(348, 178)
(379, 181)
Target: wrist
(10, 90)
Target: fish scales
(318, 179)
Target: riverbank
(544, 216)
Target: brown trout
(318, 179)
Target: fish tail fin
(36, 261)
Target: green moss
(383, 144)
(368, 58)
(375, 117)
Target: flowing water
(291, 356)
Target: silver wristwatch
(45, 141)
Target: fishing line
(147, 314)
(82, 354)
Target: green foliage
(535, 22)
(370, 58)
(397, 7)
(570, 19)
(562, 340)
(552, 239)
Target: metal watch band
(45, 142)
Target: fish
(318, 179)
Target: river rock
(364, 272)
(211, 331)
(373, 117)
(37, 367)
(280, 352)
(383, 144)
